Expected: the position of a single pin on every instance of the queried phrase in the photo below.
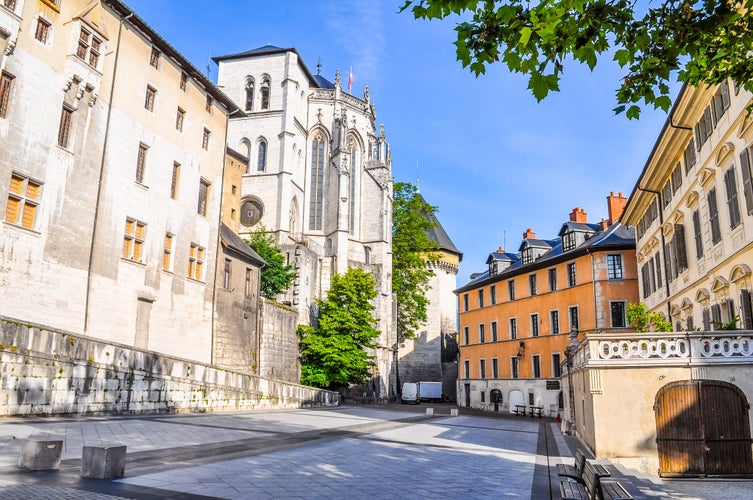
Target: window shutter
(731, 309)
(716, 233)
(680, 252)
(708, 121)
(747, 309)
(725, 96)
(745, 165)
(716, 314)
(697, 233)
(734, 209)
(706, 320)
(697, 132)
(657, 264)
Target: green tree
(412, 219)
(276, 276)
(701, 41)
(333, 353)
(643, 320)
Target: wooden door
(702, 429)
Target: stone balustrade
(675, 348)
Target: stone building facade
(518, 318)
(319, 179)
(112, 148)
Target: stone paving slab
(449, 458)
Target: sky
(492, 159)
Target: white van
(410, 393)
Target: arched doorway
(515, 398)
(702, 429)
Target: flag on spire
(350, 79)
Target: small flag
(350, 79)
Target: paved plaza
(347, 452)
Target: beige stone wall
(279, 342)
(49, 372)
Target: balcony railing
(668, 349)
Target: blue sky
(492, 159)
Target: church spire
(319, 66)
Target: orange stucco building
(518, 317)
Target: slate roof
(502, 256)
(235, 243)
(439, 235)
(314, 80)
(614, 236)
(578, 226)
(537, 243)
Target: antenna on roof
(504, 239)
(418, 178)
(319, 66)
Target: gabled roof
(536, 243)
(510, 257)
(234, 242)
(614, 236)
(314, 80)
(578, 226)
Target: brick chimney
(603, 225)
(615, 206)
(529, 234)
(500, 249)
(578, 215)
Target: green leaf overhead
(698, 42)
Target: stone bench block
(430, 412)
(103, 461)
(41, 454)
(454, 412)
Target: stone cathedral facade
(319, 179)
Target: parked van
(410, 393)
(430, 391)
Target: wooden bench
(520, 410)
(574, 471)
(593, 487)
(536, 410)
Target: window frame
(536, 366)
(466, 335)
(207, 134)
(227, 270)
(150, 97)
(261, 156)
(574, 319)
(180, 118)
(482, 333)
(6, 86)
(513, 326)
(552, 279)
(494, 332)
(467, 368)
(196, 259)
(154, 58)
(167, 255)
(554, 322)
(134, 240)
(175, 181)
(203, 204)
(480, 298)
(572, 275)
(482, 368)
(493, 295)
(533, 288)
(65, 126)
(141, 162)
(534, 324)
(511, 289)
(556, 365)
(42, 30)
(495, 368)
(612, 304)
(615, 270)
(24, 201)
(514, 367)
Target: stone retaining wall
(48, 372)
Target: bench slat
(612, 489)
(567, 470)
(570, 490)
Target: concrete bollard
(41, 454)
(104, 461)
(430, 412)
(453, 412)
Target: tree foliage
(412, 218)
(276, 276)
(643, 320)
(333, 353)
(702, 41)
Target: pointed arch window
(317, 182)
(249, 94)
(261, 161)
(353, 150)
(265, 88)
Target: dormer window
(568, 241)
(528, 256)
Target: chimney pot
(578, 215)
(615, 207)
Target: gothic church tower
(319, 179)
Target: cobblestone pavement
(348, 452)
